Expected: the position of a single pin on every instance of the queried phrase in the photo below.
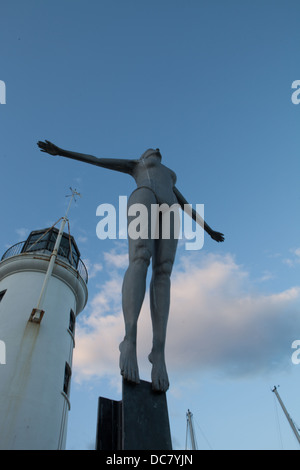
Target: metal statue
(155, 185)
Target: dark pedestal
(109, 425)
(139, 422)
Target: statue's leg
(134, 286)
(162, 264)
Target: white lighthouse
(43, 287)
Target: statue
(155, 185)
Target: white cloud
(266, 276)
(227, 327)
(93, 268)
(99, 333)
(217, 321)
(82, 239)
(294, 259)
(117, 260)
(22, 233)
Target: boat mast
(190, 429)
(291, 423)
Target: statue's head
(150, 152)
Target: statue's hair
(149, 152)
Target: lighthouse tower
(43, 287)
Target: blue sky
(209, 83)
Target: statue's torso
(152, 174)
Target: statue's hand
(48, 147)
(217, 236)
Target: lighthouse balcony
(43, 241)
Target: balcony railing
(17, 249)
(13, 250)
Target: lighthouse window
(67, 378)
(44, 240)
(2, 294)
(36, 242)
(74, 256)
(72, 322)
(64, 248)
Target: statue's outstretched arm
(217, 236)
(117, 164)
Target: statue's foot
(159, 375)
(128, 362)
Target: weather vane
(74, 194)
